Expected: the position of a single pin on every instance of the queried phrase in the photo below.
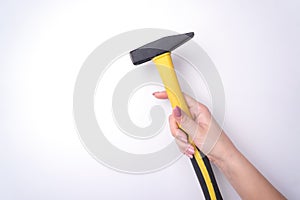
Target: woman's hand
(202, 129)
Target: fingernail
(154, 93)
(191, 150)
(177, 111)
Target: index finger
(161, 95)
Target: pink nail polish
(191, 150)
(177, 111)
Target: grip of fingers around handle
(168, 76)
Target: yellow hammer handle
(167, 73)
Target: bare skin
(242, 175)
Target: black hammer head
(158, 47)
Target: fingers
(160, 95)
(186, 123)
(185, 147)
(181, 138)
(163, 95)
(194, 106)
(196, 133)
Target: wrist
(223, 151)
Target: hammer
(159, 51)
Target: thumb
(188, 125)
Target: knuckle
(203, 108)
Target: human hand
(202, 130)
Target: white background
(255, 46)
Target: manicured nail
(191, 150)
(177, 111)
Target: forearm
(247, 181)
(243, 176)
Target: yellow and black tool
(159, 52)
